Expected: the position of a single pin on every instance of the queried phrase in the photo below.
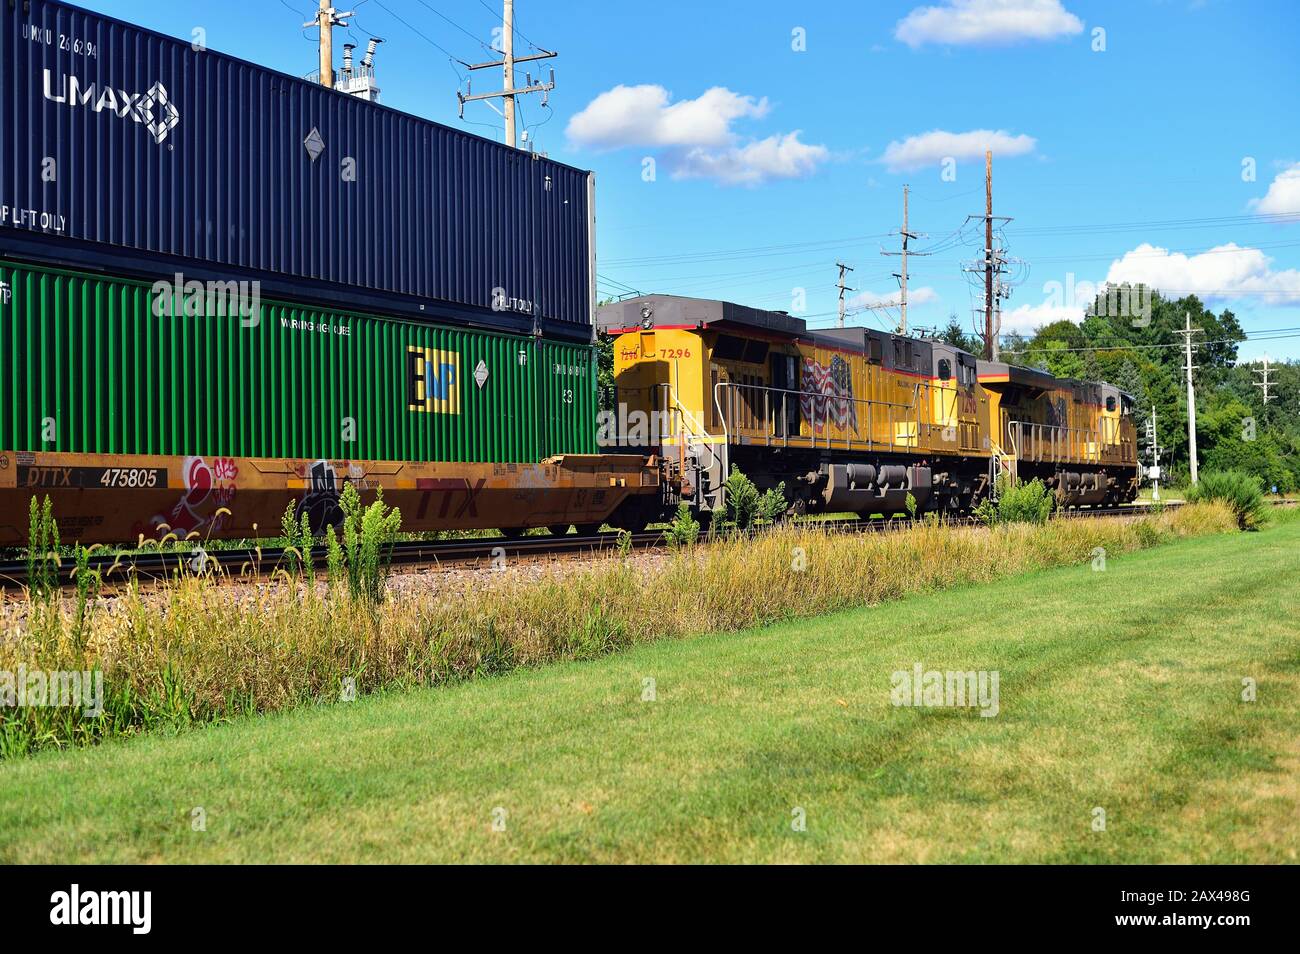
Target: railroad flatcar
(141, 411)
(850, 419)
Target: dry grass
(204, 650)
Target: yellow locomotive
(850, 419)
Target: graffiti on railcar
(209, 487)
(828, 393)
(1057, 412)
(320, 500)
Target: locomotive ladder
(1001, 464)
(700, 460)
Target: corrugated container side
(88, 364)
(130, 151)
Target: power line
(757, 251)
(382, 6)
(1262, 218)
(1266, 335)
(617, 284)
(518, 32)
(439, 13)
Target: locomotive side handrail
(1050, 443)
(897, 413)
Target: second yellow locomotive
(851, 419)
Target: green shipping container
(98, 365)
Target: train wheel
(558, 529)
(513, 533)
(587, 529)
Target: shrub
(772, 505)
(298, 543)
(88, 585)
(361, 559)
(42, 550)
(986, 511)
(684, 529)
(742, 500)
(1240, 491)
(1017, 503)
(1025, 503)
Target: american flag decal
(828, 393)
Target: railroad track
(250, 562)
(263, 561)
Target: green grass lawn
(1119, 690)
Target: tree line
(1142, 354)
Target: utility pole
(901, 274)
(1265, 383)
(840, 285)
(992, 265)
(990, 345)
(507, 63)
(1187, 333)
(1001, 290)
(508, 68)
(327, 18)
(1153, 438)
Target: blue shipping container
(131, 152)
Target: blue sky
(771, 162)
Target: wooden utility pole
(507, 63)
(901, 274)
(508, 69)
(993, 265)
(1187, 333)
(989, 348)
(327, 18)
(840, 285)
(902, 320)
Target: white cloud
(696, 135)
(644, 116)
(1026, 319)
(1283, 196)
(915, 296)
(776, 157)
(1225, 273)
(987, 22)
(1220, 274)
(931, 148)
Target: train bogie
(103, 498)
